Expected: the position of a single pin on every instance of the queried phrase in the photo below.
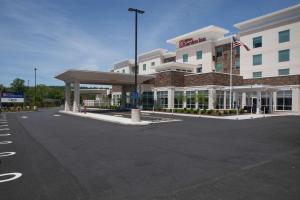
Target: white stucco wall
(269, 51)
(149, 70)
(207, 49)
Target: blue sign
(134, 95)
(12, 95)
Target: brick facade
(169, 78)
(212, 79)
(226, 58)
(278, 80)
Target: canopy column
(258, 106)
(67, 96)
(76, 102)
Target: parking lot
(57, 156)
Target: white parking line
(24, 117)
(2, 125)
(6, 142)
(15, 175)
(5, 134)
(4, 122)
(56, 115)
(4, 129)
(5, 154)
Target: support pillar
(170, 98)
(271, 102)
(296, 100)
(76, 102)
(258, 99)
(244, 99)
(211, 99)
(225, 100)
(67, 96)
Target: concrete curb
(107, 118)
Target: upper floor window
(185, 57)
(219, 67)
(257, 59)
(199, 55)
(123, 70)
(144, 67)
(219, 51)
(257, 42)
(199, 69)
(237, 63)
(284, 36)
(152, 63)
(257, 74)
(237, 50)
(284, 55)
(282, 72)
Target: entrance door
(254, 104)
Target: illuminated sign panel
(190, 41)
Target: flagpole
(230, 87)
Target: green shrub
(210, 111)
(203, 111)
(225, 112)
(232, 111)
(196, 111)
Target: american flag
(236, 43)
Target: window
(199, 69)
(284, 55)
(199, 55)
(257, 42)
(283, 72)
(178, 99)
(237, 63)
(219, 51)
(219, 67)
(284, 36)
(190, 99)
(152, 63)
(148, 100)
(257, 74)
(144, 67)
(185, 57)
(162, 99)
(257, 59)
(237, 50)
(219, 99)
(123, 70)
(202, 98)
(284, 100)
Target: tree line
(45, 95)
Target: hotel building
(205, 72)
(197, 75)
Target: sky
(56, 35)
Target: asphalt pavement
(68, 157)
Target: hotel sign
(190, 41)
(8, 97)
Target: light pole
(35, 88)
(137, 11)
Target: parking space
(4, 128)
(68, 157)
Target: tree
(18, 85)
(2, 88)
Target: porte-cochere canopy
(98, 77)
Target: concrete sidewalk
(231, 117)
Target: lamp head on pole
(136, 10)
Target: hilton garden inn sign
(8, 97)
